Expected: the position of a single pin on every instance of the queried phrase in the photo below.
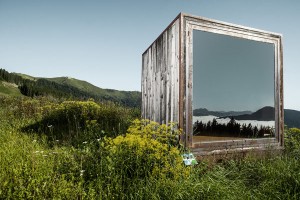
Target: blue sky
(102, 41)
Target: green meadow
(55, 149)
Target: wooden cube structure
(167, 80)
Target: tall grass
(108, 162)
(28, 169)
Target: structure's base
(236, 153)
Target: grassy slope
(25, 76)
(82, 85)
(90, 88)
(9, 89)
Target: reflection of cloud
(205, 119)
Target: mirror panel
(233, 88)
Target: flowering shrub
(145, 151)
(166, 134)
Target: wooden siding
(160, 77)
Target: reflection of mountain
(291, 117)
(205, 112)
(264, 114)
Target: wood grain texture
(160, 77)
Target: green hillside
(82, 85)
(66, 88)
(131, 98)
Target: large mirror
(233, 87)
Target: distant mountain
(292, 118)
(64, 87)
(264, 114)
(205, 112)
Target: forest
(232, 128)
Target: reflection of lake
(205, 119)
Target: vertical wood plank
(160, 77)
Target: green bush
(74, 122)
(292, 142)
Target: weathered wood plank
(160, 77)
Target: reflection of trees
(232, 128)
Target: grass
(25, 76)
(9, 89)
(34, 165)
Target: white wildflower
(81, 172)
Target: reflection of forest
(232, 128)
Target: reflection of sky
(231, 74)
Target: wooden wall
(160, 77)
